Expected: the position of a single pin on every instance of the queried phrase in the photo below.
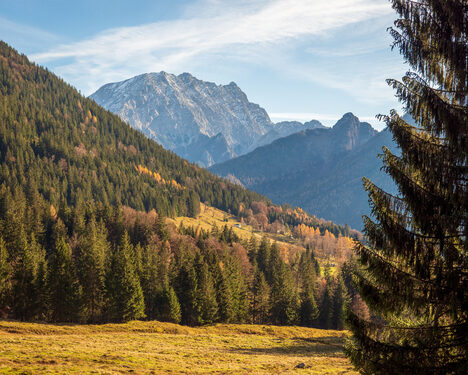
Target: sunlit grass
(155, 348)
(210, 216)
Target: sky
(298, 59)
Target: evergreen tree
(309, 309)
(5, 276)
(284, 297)
(206, 303)
(415, 263)
(340, 303)
(150, 280)
(63, 285)
(325, 318)
(92, 254)
(261, 299)
(168, 306)
(124, 293)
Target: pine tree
(284, 297)
(415, 262)
(92, 255)
(325, 318)
(340, 303)
(168, 306)
(207, 305)
(124, 293)
(261, 299)
(309, 309)
(63, 285)
(5, 275)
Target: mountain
(319, 170)
(188, 115)
(285, 128)
(83, 236)
(68, 148)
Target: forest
(83, 237)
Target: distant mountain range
(317, 168)
(201, 121)
(320, 170)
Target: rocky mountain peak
(176, 110)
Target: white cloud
(209, 28)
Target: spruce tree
(92, 254)
(124, 293)
(261, 298)
(206, 303)
(168, 306)
(415, 262)
(340, 303)
(63, 284)
(5, 276)
(309, 309)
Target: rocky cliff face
(201, 121)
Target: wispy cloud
(211, 28)
(25, 36)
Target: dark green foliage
(340, 304)
(168, 307)
(91, 269)
(206, 302)
(5, 275)
(261, 299)
(284, 297)
(414, 263)
(307, 271)
(64, 289)
(124, 293)
(83, 236)
(325, 318)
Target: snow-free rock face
(285, 128)
(319, 169)
(184, 113)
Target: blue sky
(299, 59)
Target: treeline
(94, 263)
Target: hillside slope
(66, 147)
(319, 169)
(82, 235)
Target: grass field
(164, 348)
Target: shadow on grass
(328, 346)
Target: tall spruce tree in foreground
(415, 263)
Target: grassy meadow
(164, 348)
(210, 216)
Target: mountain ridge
(177, 110)
(304, 169)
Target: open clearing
(164, 348)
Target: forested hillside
(68, 149)
(319, 170)
(83, 236)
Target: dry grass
(163, 348)
(210, 216)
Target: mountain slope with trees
(320, 170)
(83, 236)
